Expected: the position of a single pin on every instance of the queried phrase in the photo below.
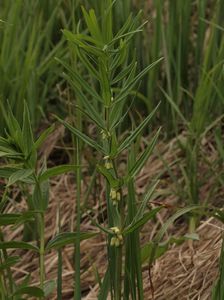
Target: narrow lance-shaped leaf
(165, 226)
(27, 131)
(125, 91)
(114, 183)
(7, 149)
(147, 249)
(82, 136)
(178, 214)
(145, 200)
(30, 291)
(104, 290)
(143, 220)
(66, 238)
(143, 158)
(8, 219)
(25, 217)
(41, 195)
(13, 126)
(161, 248)
(19, 175)
(84, 59)
(89, 108)
(10, 261)
(18, 245)
(80, 81)
(124, 72)
(82, 37)
(92, 24)
(127, 142)
(54, 171)
(43, 136)
(175, 107)
(80, 42)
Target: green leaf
(127, 70)
(29, 290)
(144, 157)
(104, 83)
(79, 81)
(83, 57)
(14, 128)
(43, 136)
(92, 24)
(20, 175)
(165, 226)
(89, 108)
(66, 238)
(7, 170)
(10, 154)
(7, 149)
(3, 154)
(178, 214)
(25, 217)
(8, 219)
(18, 245)
(136, 224)
(127, 142)
(58, 170)
(114, 183)
(5, 144)
(130, 85)
(145, 200)
(27, 133)
(146, 251)
(82, 136)
(10, 261)
(79, 40)
(104, 290)
(41, 195)
(175, 107)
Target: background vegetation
(61, 62)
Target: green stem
(192, 224)
(9, 272)
(2, 288)
(59, 269)
(118, 274)
(42, 250)
(77, 293)
(59, 276)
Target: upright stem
(77, 293)
(59, 270)
(42, 250)
(8, 270)
(2, 287)
(118, 277)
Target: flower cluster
(117, 239)
(115, 196)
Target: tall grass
(113, 68)
(30, 38)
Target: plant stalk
(42, 250)
(77, 292)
